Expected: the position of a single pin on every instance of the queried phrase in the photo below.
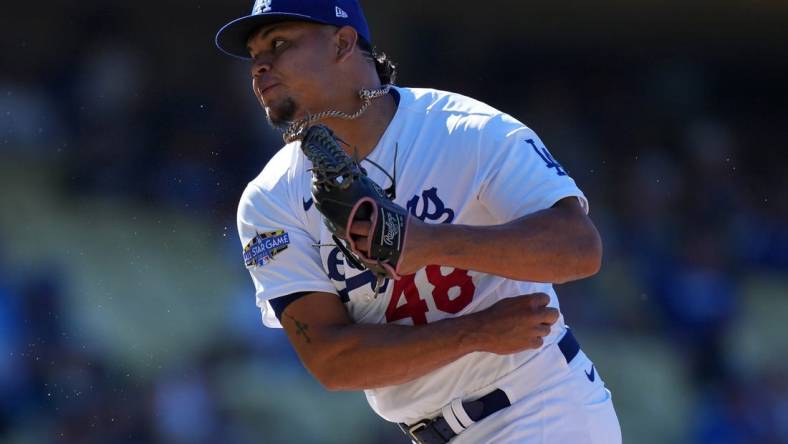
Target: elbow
(327, 378)
(586, 258)
(336, 382)
(332, 384)
(583, 256)
(590, 256)
(335, 363)
(593, 261)
(331, 377)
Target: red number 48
(416, 308)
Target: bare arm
(347, 356)
(555, 245)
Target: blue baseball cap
(232, 38)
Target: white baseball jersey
(457, 161)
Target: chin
(282, 113)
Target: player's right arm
(343, 355)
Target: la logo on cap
(261, 6)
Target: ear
(345, 39)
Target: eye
(277, 44)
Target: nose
(259, 67)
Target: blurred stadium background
(126, 315)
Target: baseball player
(454, 331)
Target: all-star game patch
(263, 247)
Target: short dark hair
(385, 67)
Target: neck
(363, 133)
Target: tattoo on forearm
(301, 329)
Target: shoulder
(435, 100)
(281, 169)
(275, 182)
(458, 113)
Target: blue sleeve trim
(279, 304)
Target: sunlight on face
(288, 69)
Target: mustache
(280, 116)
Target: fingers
(360, 227)
(550, 315)
(359, 230)
(538, 303)
(362, 243)
(539, 332)
(542, 330)
(538, 300)
(524, 320)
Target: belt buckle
(419, 426)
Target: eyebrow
(265, 33)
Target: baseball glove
(343, 193)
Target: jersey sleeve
(517, 175)
(278, 249)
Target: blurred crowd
(680, 156)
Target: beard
(281, 115)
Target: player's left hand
(343, 194)
(412, 258)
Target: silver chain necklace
(296, 129)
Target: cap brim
(232, 38)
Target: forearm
(365, 356)
(554, 245)
(343, 355)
